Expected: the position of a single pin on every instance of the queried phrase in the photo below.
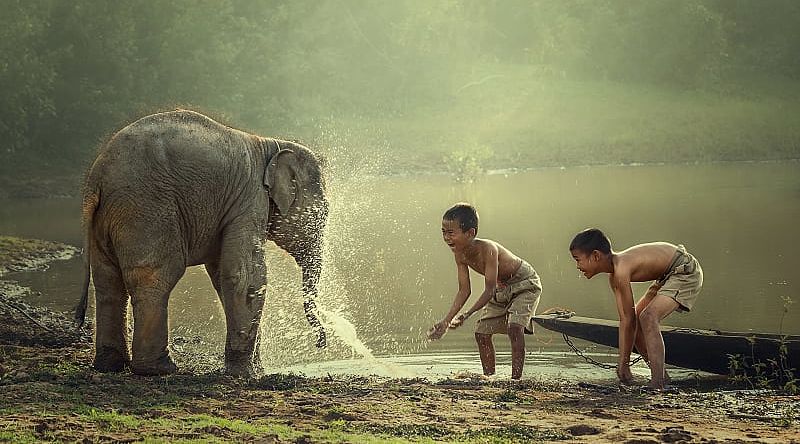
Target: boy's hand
(459, 320)
(437, 331)
(624, 374)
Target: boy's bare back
(644, 262)
(476, 254)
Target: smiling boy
(511, 289)
(677, 280)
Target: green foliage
(508, 395)
(73, 71)
(16, 437)
(516, 434)
(466, 163)
(776, 372)
(788, 417)
(787, 302)
(280, 381)
(111, 420)
(408, 431)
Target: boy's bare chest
(474, 261)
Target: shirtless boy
(510, 295)
(677, 280)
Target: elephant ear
(279, 178)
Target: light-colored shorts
(682, 281)
(514, 302)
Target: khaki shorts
(682, 281)
(513, 303)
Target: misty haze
(656, 120)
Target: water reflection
(390, 276)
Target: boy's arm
(464, 291)
(490, 281)
(438, 330)
(621, 284)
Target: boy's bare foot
(657, 384)
(625, 375)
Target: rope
(563, 313)
(560, 312)
(8, 304)
(591, 360)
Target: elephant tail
(91, 200)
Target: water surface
(388, 276)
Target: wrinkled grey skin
(177, 189)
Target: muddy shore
(48, 392)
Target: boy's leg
(486, 350)
(639, 342)
(516, 333)
(650, 319)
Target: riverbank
(21, 323)
(50, 393)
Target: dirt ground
(49, 392)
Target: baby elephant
(177, 189)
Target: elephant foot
(241, 371)
(159, 367)
(241, 366)
(109, 359)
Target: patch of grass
(110, 420)
(256, 428)
(280, 381)
(433, 431)
(17, 436)
(508, 395)
(66, 372)
(789, 417)
(516, 434)
(227, 429)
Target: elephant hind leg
(150, 287)
(111, 319)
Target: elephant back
(176, 148)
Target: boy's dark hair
(465, 214)
(589, 240)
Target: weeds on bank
(110, 419)
(465, 163)
(17, 437)
(775, 373)
(435, 432)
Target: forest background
(413, 85)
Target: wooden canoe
(706, 350)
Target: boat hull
(707, 350)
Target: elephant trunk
(310, 262)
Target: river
(388, 275)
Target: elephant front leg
(242, 286)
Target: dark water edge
(68, 185)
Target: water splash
(342, 328)
(359, 285)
